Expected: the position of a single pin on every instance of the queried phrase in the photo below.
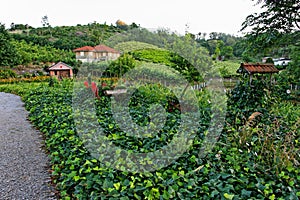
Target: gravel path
(23, 162)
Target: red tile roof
(98, 48)
(85, 48)
(103, 48)
(252, 68)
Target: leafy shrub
(7, 73)
(28, 53)
(269, 60)
(171, 59)
(241, 165)
(120, 66)
(26, 79)
(246, 99)
(19, 88)
(78, 175)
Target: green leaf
(117, 185)
(181, 173)
(290, 168)
(110, 126)
(137, 196)
(76, 178)
(148, 183)
(214, 193)
(166, 194)
(272, 197)
(246, 193)
(229, 196)
(87, 162)
(96, 168)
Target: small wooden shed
(257, 68)
(61, 70)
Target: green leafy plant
(253, 159)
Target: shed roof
(252, 68)
(59, 66)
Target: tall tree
(279, 15)
(275, 27)
(7, 52)
(45, 22)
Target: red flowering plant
(93, 87)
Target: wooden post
(71, 73)
(251, 77)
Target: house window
(81, 53)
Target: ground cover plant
(20, 88)
(253, 159)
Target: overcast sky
(207, 16)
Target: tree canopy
(7, 51)
(278, 15)
(275, 28)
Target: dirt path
(23, 163)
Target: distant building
(277, 61)
(281, 61)
(61, 70)
(96, 53)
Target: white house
(281, 61)
(97, 53)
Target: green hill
(68, 37)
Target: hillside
(39, 47)
(68, 37)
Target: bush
(250, 161)
(7, 73)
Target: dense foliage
(77, 174)
(282, 16)
(168, 58)
(276, 28)
(7, 51)
(28, 53)
(126, 47)
(253, 159)
(275, 33)
(68, 37)
(7, 73)
(227, 69)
